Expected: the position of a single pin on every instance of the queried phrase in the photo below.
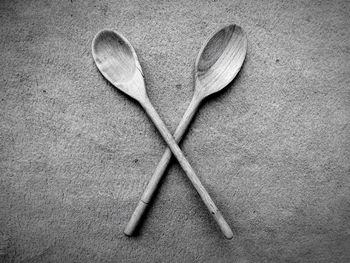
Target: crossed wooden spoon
(218, 62)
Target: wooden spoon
(117, 61)
(217, 64)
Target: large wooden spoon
(217, 64)
(117, 61)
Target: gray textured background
(273, 149)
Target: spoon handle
(161, 167)
(187, 168)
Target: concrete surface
(273, 149)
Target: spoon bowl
(116, 59)
(219, 60)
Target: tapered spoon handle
(161, 167)
(187, 168)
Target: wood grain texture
(117, 61)
(217, 63)
(111, 51)
(220, 60)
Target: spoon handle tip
(135, 218)
(225, 228)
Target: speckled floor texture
(272, 149)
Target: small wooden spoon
(217, 64)
(117, 61)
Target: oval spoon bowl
(220, 60)
(116, 59)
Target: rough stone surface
(273, 149)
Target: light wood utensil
(117, 61)
(217, 64)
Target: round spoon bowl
(116, 59)
(113, 56)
